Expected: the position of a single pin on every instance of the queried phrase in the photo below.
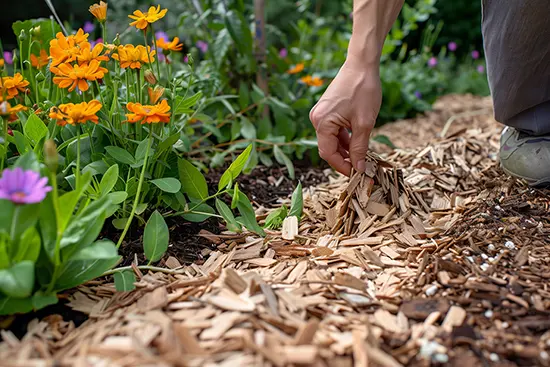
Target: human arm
(352, 101)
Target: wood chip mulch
(432, 257)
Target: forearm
(372, 21)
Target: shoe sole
(545, 182)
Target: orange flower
(142, 20)
(99, 11)
(296, 69)
(155, 94)
(79, 113)
(148, 113)
(66, 49)
(312, 81)
(38, 62)
(1, 63)
(88, 54)
(72, 76)
(13, 85)
(7, 110)
(133, 57)
(172, 46)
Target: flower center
(19, 195)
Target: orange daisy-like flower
(131, 56)
(312, 81)
(296, 69)
(148, 114)
(172, 46)
(66, 49)
(38, 62)
(142, 20)
(79, 113)
(88, 54)
(12, 85)
(99, 11)
(7, 110)
(72, 76)
(1, 63)
(155, 94)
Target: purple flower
(475, 54)
(452, 46)
(203, 46)
(162, 57)
(432, 62)
(481, 69)
(8, 57)
(93, 43)
(162, 35)
(186, 59)
(417, 94)
(23, 187)
(88, 27)
(283, 53)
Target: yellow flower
(13, 85)
(66, 49)
(172, 46)
(142, 20)
(38, 62)
(1, 63)
(99, 11)
(148, 113)
(133, 57)
(79, 113)
(312, 81)
(88, 54)
(155, 94)
(7, 110)
(72, 76)
(296, 69)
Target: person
(516, 40)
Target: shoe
(525, 156)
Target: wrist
(364, 52)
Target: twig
(460, 115)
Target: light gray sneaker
(525, 156)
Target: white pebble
(484, 266)
(433, 350)
(510, 245)
(484, 256)
(488, 314)
(491, 259)
(470, 258)
(431, 291)
(505, 325)
(493, 357)
(491, 247)
(544, 354)
(497, 207)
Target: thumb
(359, 145)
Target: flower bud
(50, 155)
(190, 59)
(150, 77)
(22, 35)
(40, 77)
(116, 41)
(35, 31)
(155, 94)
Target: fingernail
(361, 166)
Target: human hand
(351, 102)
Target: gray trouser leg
(516, 35)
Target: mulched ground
(433, 257)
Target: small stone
(488, 314)
(491, 247)
(493, 357)
(497, 207)
(431, 290)
(484, 256)
(470, 259)
(510, 245)
(505, 325)
(484, 266)
(544, 355)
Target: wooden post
(260, 50)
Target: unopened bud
(50, 155)
(36, 31)
(190, 59)
(150, 77)
(40, 77)
(155, 94)
(116, 41)
(22, 35)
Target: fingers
(359, 144)
(331, 151)
(344, 138)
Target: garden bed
(445, 263)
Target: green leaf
(275, 219)
(167, 184)
(21, 142)
(6, 213)
(41, 300)
(167, 143)
(24, 216)
(248, 130)
(199, 214)
(18, 281)
(297, 202)
(228, 216)
(140, 208)
(69, 200)
(252, 161)
(183, 105)
(249, 216)
(282, 158)
(28, 161)
(120, 155)
(12, 306)
(124, 280)
(235, 197)
(140, 152)
(193, 182)
(35, 129)
(119, 223)
(109, 180)
(155, 237)
(86, 264)
(117, 197)
(29, 246)
(244, 96)
(383, 139)
(235, 169)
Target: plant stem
(138, 192)
(57, 252)
(157, 52)
(5, 155)
(149, 53)
(77, 156)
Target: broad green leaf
(244, 96)
(109, 179)
(248, 130)
(69, 200)
(24, 216)
(228, 216)
(167, 184)
(35, 129)
(297, 202)
(235, 196)
(275, 219)
(140, 152)
(282, 158)
(155, 237)
(249, 216)
(235, 169)
(140, 208)
(199, 214)
(117, 197)
(193, 182)
(28, 161)
(6, 213)
(12, 306)
(167, 143)
(21, 143)
(41, 300)
(265, 159)
(18, 281)
(120, 155)
(124, 280)
(86, 264)
(252, 161)
(119, 223)
(383, 139)
(29, 246)
(183, 105)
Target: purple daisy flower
(8, 57)
(432, 62)
(23, 187)
(481, 69)
(452, 46)
(88, 27)
(283, 53)
(475, 54)
(203, 46)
